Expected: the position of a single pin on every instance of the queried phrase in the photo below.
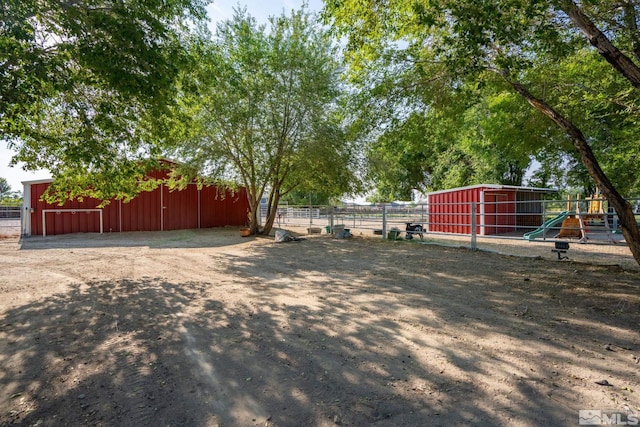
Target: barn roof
(162, 160)
(497, 187)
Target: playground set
(576, 224)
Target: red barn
(157, 210)
(500, 209)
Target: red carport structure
(156, 210)
(499, 209)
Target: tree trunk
(631, 25)
(623, 208)
(272, 210)
(607, 50)
(254, 209)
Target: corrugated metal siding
(500, 211)
(450, 212)
(111, 217)
(67, 219)
(219, 208)
(180, 208)
(143, 213)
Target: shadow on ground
(416, 337)
(201, 238)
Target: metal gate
(10, 221)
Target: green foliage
(604, 107)
(8, 197)
(452, 138)
(85, 85)
(444, 61)
(5, 188)
(301, 198)
(266, 110)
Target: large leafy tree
(605, 108)
(84, 85)
(477, 41)
(459, 144)
(265, 112)
(428, 131)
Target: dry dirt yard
(206, 328)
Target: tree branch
(626, 218)
(607, 50)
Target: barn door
(180, 208)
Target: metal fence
(10, 220)
(527, 228)
(10, 212)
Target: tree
(476, 41)
(606, 109)
(266, 112)
(460, 144)
(5, 188)
(85, 86)
(427, 134)
(7, 196)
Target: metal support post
(384, 221)
(474, 244)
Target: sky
(219, 10)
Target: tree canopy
(266, 111)
(85, 84)
(5, 188)
(487, 136)
(525, 45)
(7, 195)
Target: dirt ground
(206, 328)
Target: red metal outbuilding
(156, 210)
(499, 209)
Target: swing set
(580, 224)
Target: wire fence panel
(10, 212)
(10, 221)
(516, 227)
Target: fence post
(384, 221)
(474, 245)
(331, 210)
(483, 231)
(427, 219)
(544, 221)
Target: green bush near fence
(11, 202)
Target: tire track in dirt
(122, 375)
(139, 412)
